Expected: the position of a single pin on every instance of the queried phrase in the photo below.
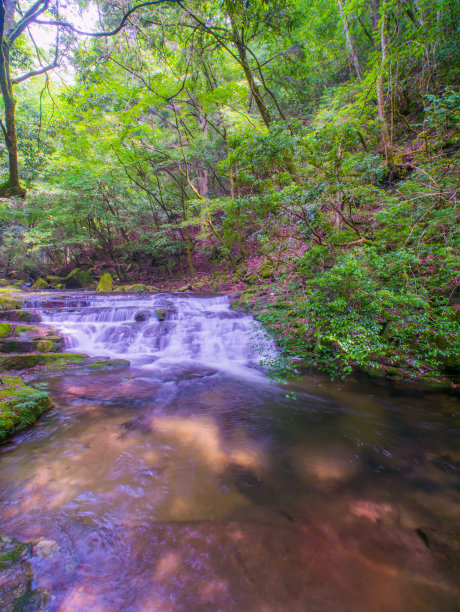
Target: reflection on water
(199, 490)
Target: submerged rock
(16, 577)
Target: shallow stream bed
(190, 482)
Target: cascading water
(152, 328)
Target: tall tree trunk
(263, 109)
(12, 186)
(384, 129)
(353, 57)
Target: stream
(191, 482)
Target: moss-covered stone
(16, 576)
(139, 288)
(5, 330)
(30, 360)
(9, 303)
(24, 329)
(18, 362)
(25, 316)
(16, 345)
(78, 279)
(105, 283)
(20, 405)
(161, 315)
(44, 346)
(40, 284)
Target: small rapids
(149, 328)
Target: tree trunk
(263, 110)
(12, 186)
(351, 49)
(384, 129)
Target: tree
(15, 23)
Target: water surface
(190, 482)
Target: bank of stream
(189, 481)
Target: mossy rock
(105, 283)
(30, 360)
(44, 346)
(55, 281)
(5, 330)
(161, 315)
(9, 303)
(20, 405)
(139, 288)
(25, 316)
(39, 284)
(78, 279)
(16, 345)
(267, 270)
(16, 577)
(433, 383)
(24, 329)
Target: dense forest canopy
(300, 150)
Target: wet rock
(20, 315)
(105, 283)
(161, 315)
(142, 315)
(16, 345)
(16, 576)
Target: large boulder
(105, 283)
(78, 279)
(40, 284)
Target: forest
(303, 154)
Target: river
(191, 482)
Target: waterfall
(147, 329)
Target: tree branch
(121, 25)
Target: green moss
(5, 330)
(105, 283)
(109, 363)
(20, 405)
(9, 303)
(39, 284)
(44, 346)
(77, 279)
(24, 329)
(135, 288)
(18, 362)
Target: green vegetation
(105, 283)
(20, 405)
(305, 153)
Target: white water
(199, 329)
